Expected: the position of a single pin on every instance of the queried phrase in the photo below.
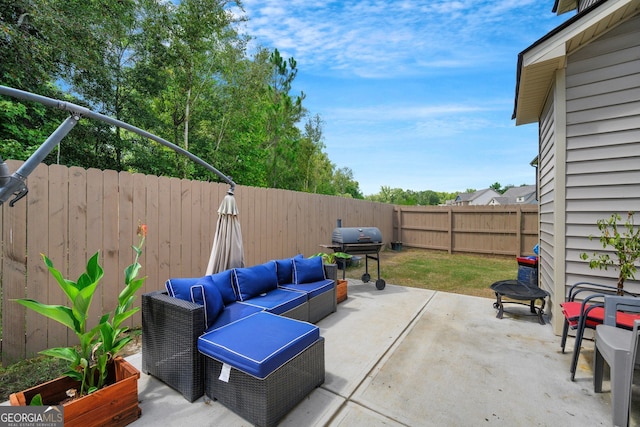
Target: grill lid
(356, 235)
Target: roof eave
(538, 63)
(564, 6)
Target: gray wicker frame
(322, 305)
(264, 402)
(170, 331)
(300, 312)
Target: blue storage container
(528, 270)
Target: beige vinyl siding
(546, 176)
(603, 142)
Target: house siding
(602, 143)
(546, 177)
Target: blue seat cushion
(278, 301)
(258, 344)
(232, 313)
(307, 270)
(201, 291)
(312, 289)
(223, 281)
(255, 280)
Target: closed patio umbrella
(227, 251)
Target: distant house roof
(525, 194)
(464, 197)
(501, 200)
(480, 197)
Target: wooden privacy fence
(500, 230)
(70, 213)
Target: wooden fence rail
(70, 213)
(499, 230)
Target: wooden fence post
(450, 231)
(519, 230)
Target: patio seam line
(399, 338)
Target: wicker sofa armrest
(170, 330)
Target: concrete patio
(405, 356)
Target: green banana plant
(331, 257)
(98, 345)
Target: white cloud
(411, 90)
(400, 113)
(379, 38)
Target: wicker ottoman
(262, 366)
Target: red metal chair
(583, 308)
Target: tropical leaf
(59, 313)
(119, 318)
(65, 353)
(36, 400)
(119, 344)
(68, 287)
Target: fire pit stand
(519, 291)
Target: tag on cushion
(225, 372)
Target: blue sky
(415, 95)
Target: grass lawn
(419, 268)
(466, 274)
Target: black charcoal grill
(359, 241)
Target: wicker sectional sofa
(207, 335)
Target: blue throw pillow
(224, 283)
(255, 280)
(201, 291)
(284, 268)
(308, 270)
(206, 293)
(181, 287)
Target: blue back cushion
(201, 291)
(223, 281)
(284, 268)
(255, 280)
(181, 287)
(307, 270)
(205, 292)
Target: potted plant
(94, 366)
(331, 267)
(337, 258)
(626, 246)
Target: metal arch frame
(15, 184)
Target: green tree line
(181, 70)
(398, 196)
